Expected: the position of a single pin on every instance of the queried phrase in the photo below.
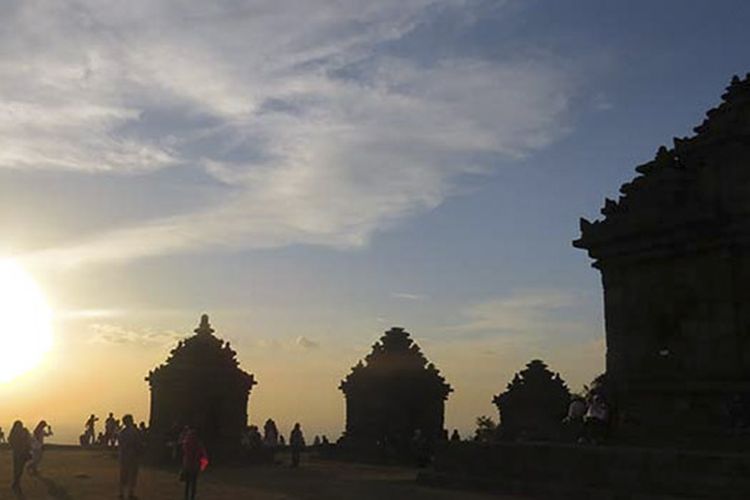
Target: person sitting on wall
(573, 421)
(596, 420)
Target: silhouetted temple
(674, 255)
(534, 403)
(200, 385)
(393, 394)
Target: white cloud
(321, 137)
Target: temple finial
(204, 327)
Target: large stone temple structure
(200, 385)
(674, 256)
(395, 393)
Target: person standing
(270, 433)
(90, 433)
(130, 445)
(194, 461)
(110, 431)
(41, 431)
(20, 443)
(296, 443)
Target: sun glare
(26, 332)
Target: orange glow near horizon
(26, 331)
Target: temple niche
(200, 385)
(394, 394)
(674, 256)
(534, 403)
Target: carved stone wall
(674, 254)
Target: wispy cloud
(409, 296)
(118, 334)
(75, 314)
(307, 343)
(319, 134)
(529, 313)
(300, 343)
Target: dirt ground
(72, 474)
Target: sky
(310, 173)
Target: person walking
(296, 443)
(130, 445)
(194, 461)
(41, 431)
(20, 442)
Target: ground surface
(92, 475)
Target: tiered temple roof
(396, 355)
(688, 194)
(199, 354)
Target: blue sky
(311, 173)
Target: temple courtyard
(77, 474)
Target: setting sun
(26, 334)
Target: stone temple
(393, 394)
(534, 403)
(674, 256)
(200, 385)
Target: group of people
(107, 438)
(252, 439)
(130, 442)
(27, 448)
(129, 439)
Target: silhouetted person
(270, 433)
(2, 436)
(324, 440)
(316, 441)
(194, 461)
(255, 440)
(143, 429)
(173, 440)
(41, 431)
(110, 430)
(20, 443)
(130, 445)
(296, 443)
(281, 440)
(90, 433)
(455, 437)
